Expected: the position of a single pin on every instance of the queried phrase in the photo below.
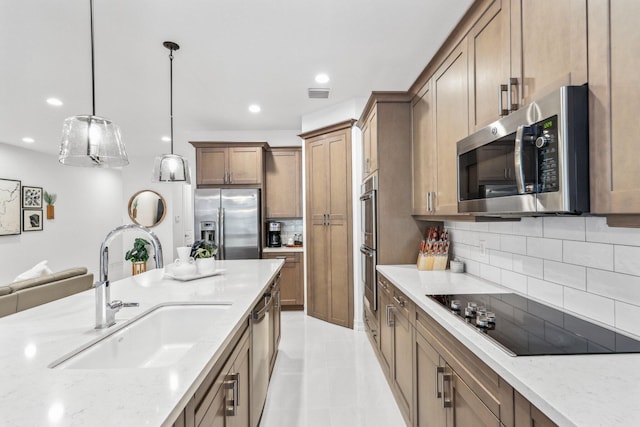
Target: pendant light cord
(93, 79)
(171, 94)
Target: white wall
(89, 205)
(578, 264)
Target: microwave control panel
(547, 145)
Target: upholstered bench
(25, 294)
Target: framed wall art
(32, 197)
(9, 207)
(31, 219)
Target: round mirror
(147, 208)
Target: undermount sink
(160, 337)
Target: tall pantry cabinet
(329, 225)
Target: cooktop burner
(527, 328)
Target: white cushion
(40, 269)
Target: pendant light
(171, 167)
(89, 140)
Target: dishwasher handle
(259, 315)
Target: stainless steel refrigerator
(231, 219)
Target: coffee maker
(274, 240)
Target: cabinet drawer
(404, 306)
(288, 257)
(385, 285)
(494, 392)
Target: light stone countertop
(31, 394)
(580, 390)
(284, 249)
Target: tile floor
(327, 376)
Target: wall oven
(533, 161)
(368, 257)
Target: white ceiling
(232, 53)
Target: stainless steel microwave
(534, 161)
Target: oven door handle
(368, 252)
(367, 196)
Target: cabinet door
(423, 149)
(245, 165)
(240, 396)
(283, 176)
(339, 229)
(290, 277)
(317, 158)
(615, 98)
(366, 150)
(468, 409)
(373, 141)
(402, 361)
(429, 409)
(489, 64)
(451, 123)
(215, 415)
(527, 415)
(212, 165)
(385, 307)
(549, 45)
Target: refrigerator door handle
(221, 232)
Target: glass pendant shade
(171, 168)
(92, 141)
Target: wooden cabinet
(527, 415)
(489, 65)
(385, 306)
(429, 411)
(291, 279)
(283, 182)
(423, 148)
(614, 36)
(370, 144)
(402, 365)
(274, 319)
(451, 113)
(229, 163)
(328, 222)
(223, 398)
(548, 45)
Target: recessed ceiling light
(28, 140)
(254, 108)
(322, 78)
(54, 101)
(166, 139)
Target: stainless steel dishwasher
(260, 346)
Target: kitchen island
(571, 390)
(32, 393)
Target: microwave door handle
(518, 159)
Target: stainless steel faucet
(105, 308)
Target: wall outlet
(483, 247)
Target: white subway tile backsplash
(621, 287)
(505, 227)
(596, 255)
(598, 231)
(528, 227)
(590, 305)
(574, 276)
(545, 248)
(628, 317)
(528, 266)
(513, 244)
(501, 259)
(548, 292)
(491, 241)
(566, 228)
(464, 236)
(476, 254)
(489, 272)
(515, 281)
(472, 267)
(627, 260)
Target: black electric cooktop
(524, 327)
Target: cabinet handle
(367, 165)
(399, 301)
(232, 383)
(439, 370)
(513, 83)
(389, 314)
(230, 177)
(501, 90)
(446, 378)
(384, 285)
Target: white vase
(206, 265)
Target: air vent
(318, 93)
